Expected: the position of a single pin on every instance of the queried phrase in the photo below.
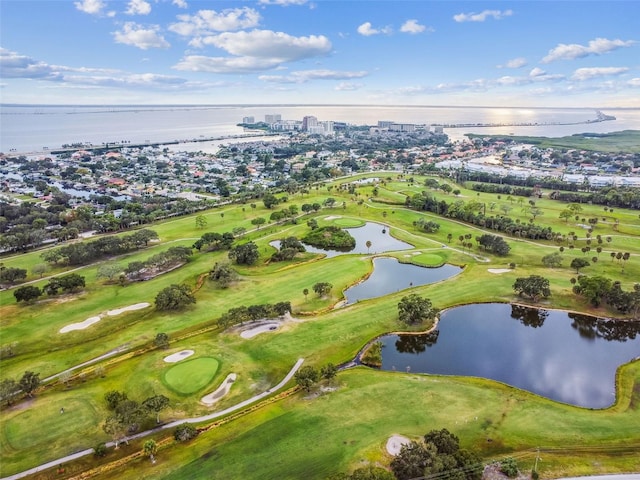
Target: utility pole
(535, 465)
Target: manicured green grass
(190, 376)
(323, 335)
(345, 222)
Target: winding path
(202, 418)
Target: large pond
(566, 357)
(389, 275)
(379, 236)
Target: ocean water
(37, 128)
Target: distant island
(600, 117)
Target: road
(203, 418)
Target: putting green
(428, 259)
(347, 222)
(192, 375)
(79, 416)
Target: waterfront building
(249, 120)
(272, 118)
(309, 122)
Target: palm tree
(368, 244)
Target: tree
(322, 289)
(270, 200)
(222, 274)
(444, 441)
(184, 432)
(161, 340)
(155, 404)
(8, 389)
(11, 274)
(306, 377)
(108, 270)
(27, 293)
(201, 222)
(305, 292)
(258, 221)
(150, 448)
(553, 260)
(113, 398)
(509, 466)
(245, 254)
(174, 297)
(414, 309)
(368, 244)
(328, 372)
(39, 269)
(29, 383)
(114, 427)
(579, 263)
(533, 286)
(412, 460)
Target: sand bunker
(332, 217)
(395, 443)
(176, 357)
(499, 270)
(220, 392)
(81, 325)
(267, 327)
(130, 308)
(91, 320)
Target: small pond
(566, 357)
(389, 275)
(373, 232)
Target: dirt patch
(221, 391)
(395, 443)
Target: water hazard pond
(566, 357)
(390, 276)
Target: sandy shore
(91, 320)
(221, 391)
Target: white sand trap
(267, 327)
(176, 357)
(81, 325)
(499, 270)
(395, 443)
(221, 391)
(332, 217)
(130, 308)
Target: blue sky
(402, 52)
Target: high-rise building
(248, 120)
(272, 118)
(308, 122)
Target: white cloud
(269, 44)
(141, 37)
(201, 63)
(180, 3)
(303, 76)
(572, 51)
(14, 65)
(634, 82)
(138, 7)
(92, 7)
(348, 86)
(207, 22)
(284, 3)
(482, 16)
(593, 72)
(537, 72)
(518, 62)
(367, 30)
(412, 26)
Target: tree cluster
(27, 384)
(88, 252)
(127, 415)
(438, 455)
(427, 226)
(330, 237)
(244, 254)
(599, 289)
(174, 297)
(473, 212)
(161, 261)
(239, 315)
(289, 248)
(307, 376)
(414, 309)
(11, 275)
(213, 241)
(533, 286)
(222, 274)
